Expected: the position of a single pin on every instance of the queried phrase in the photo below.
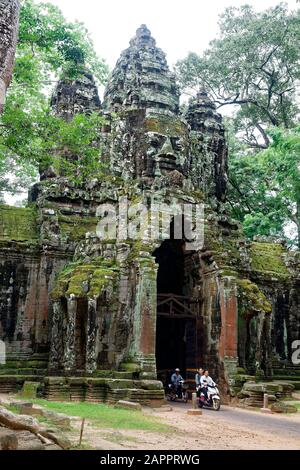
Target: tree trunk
(298, 221)
(9, 24)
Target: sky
(179, 26)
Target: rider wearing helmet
(176, 380)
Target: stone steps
(103, 390)
(14, 383)
(252, 394)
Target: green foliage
(46, 39)
(265, 187)
(30, 136)
(253, 64)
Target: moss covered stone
(252, 299)
(74, 227)
(166, 126)
(29, 389)
(85, 280)
(18, 224)
(269, 258)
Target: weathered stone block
(22, 404)
(8, 439)
(57, 437)
(130, 367)
(22, 422)
(129, 405)
(119, 384)
(31, 411)
(59, 419)
(281, 407)
(151, 384)
(29, 389)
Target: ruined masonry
(89, 318)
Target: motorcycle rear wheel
(216, 405)
(171, 397)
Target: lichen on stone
(268, 258)
(85, 279)
(18, 224)
(73, 227)
(251, 299)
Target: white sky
(179, 26)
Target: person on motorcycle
(176, 380)
(206, 381)
(198, 380)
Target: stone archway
(178, 325)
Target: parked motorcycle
(213, 398)
(180, 392)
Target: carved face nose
(167, 157)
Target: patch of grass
(84, 446)
(106, 416)
(119, 438)
(12, 408)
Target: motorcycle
(213, 398)
(179, 392)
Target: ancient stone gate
(98, 318)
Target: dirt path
(228, 429)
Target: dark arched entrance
(177, 327)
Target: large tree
(9, 21)
(253, 65)
(30, 136)
(265, 187)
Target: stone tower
(78, 95)
(104, 291)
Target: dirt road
(230, 428)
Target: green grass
(12, 408)
(119, 438)
(106, 416)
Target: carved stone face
(167, 145)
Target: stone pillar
(56, 340)
(91, 356)
(69, 340)
(229, 330)
(144, 333)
